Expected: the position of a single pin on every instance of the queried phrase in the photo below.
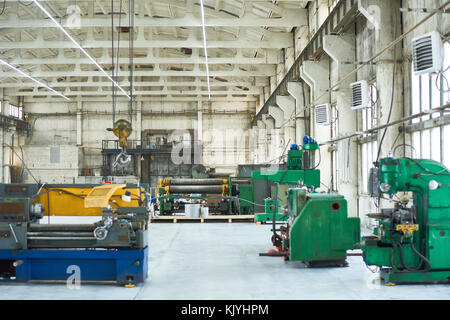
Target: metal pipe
(197, 181)
(392, 123)
(240, 181)
(61, 238)
(60, 227)
(213, 189)
(60, 234)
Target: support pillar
(342, 50)
(270, 126)
(387, 26)
(277, 142)
(261, 156)
(198, 142)
(295, 89)
(79, 123)
(287, 105)
(316, 73)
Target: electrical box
(359, 95)
(322, 114)
(428, 53)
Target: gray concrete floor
(221, 261)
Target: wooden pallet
(216, 218)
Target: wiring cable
(118, 46)
(112, 65)
(23, 162)
(371, 60)
(58, 190)
(25, 4)
(131, 54)
(425, 169)
(394, 71)
(441, 75)
(4, 6)
(405, 145)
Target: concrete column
(295, 89)
(317, 73)
(342, 50)
(270, 136)
(278, 141)
(2, 131)
(310, 85)
(79, 123)
(253, 145)
(287, 105)
(198, 152)
(139, 120)
(261, 141)
(387, 26)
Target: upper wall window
(16, 112)
(430, 91)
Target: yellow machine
(69, 200)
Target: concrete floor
(220, 261)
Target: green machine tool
(300, 171)
(318, 231)
(412, 241)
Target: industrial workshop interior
(225, 150)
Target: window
(369, 147)
(16, 112)
(427, 92)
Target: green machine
(412, 241)
(299, 172)
(318, 231)
(241, 196)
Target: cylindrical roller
(61, 238)
(241, 181)
(61, 227)
(213, 189)
(59, 234)
(197, 182)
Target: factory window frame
(16, 112)
(431, 91)
(369, 145)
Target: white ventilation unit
(428, 53)
(322, 114)
(359, 95)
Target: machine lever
(13, 232)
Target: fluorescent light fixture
(31, 78)
(205, 48)
(79, 46)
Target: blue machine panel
(119, 265)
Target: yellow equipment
(70, 200)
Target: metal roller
(241, 181)
(61, 227)
(213, 189)
(196, 182)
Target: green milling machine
(315, 228)
(300, 171)
(412, 241)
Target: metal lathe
(113, 249)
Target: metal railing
(144, 144)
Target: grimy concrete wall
(224, 129)
(368, 40)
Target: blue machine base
(119, 265)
